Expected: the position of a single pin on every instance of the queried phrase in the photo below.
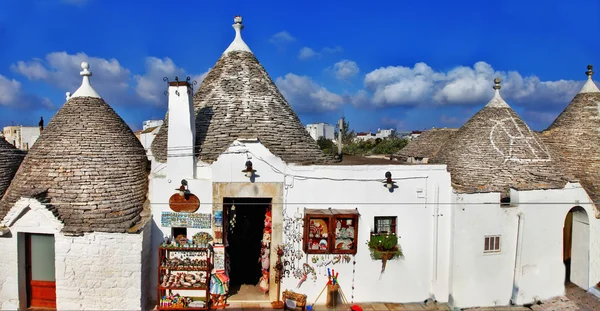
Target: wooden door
(41, 282)
(580, 251)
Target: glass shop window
(330, 231)
(385, 224)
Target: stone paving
(575, 299)
(365, 307)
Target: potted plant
(385, 247)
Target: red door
(41, 282)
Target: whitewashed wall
(480, 279)
(101, 271)
(414, 278)
(541, 268)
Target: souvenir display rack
(184, 267)
(330, 231)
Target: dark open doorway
(244, 220)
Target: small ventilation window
(492, 244)
(505, 202)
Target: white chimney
(182, 132)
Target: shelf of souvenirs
(190, 248)
(177, 302)
(184, 268)
(184, 281)
(178, 264)
(183, 288)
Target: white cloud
(307, 53)
(9, 91)
(398, 85)
(13, 95)
(61, 70)
(151, 86)
(345, 69)
(307, 96)
(111, 80)
(282, 38)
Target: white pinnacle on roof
(589, 86)
(238, 44)
(497, 101)
(85, 90)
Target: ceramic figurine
(264, 282)
(265, 259)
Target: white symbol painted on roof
(515, 142)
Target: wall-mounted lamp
(182, 189)
(184, 200)
(249, 171)
(388, 180)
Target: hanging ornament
(353, 273)
(232, 218)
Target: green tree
(326, 145)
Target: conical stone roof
(238, 99)
(575, 137)
(10, 159)
(427, 144)
(87, 166)
(495, 151)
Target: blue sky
(383, 64)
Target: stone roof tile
(495, 151)
(427, 144)
(10, 159)
(88, 166)
(575, 137)
(238, 99)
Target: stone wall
(99, 271)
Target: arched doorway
(576, 247)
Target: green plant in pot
(384, 247)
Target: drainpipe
(516, 279)
(434, 267)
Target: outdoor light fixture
(182, 188)
(249, 171)
(388, 180)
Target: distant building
(317, 130)
(22, 137)
(382, 134)
(149, 130)
(151, 123)
(412, 135)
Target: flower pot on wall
(384, 247)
